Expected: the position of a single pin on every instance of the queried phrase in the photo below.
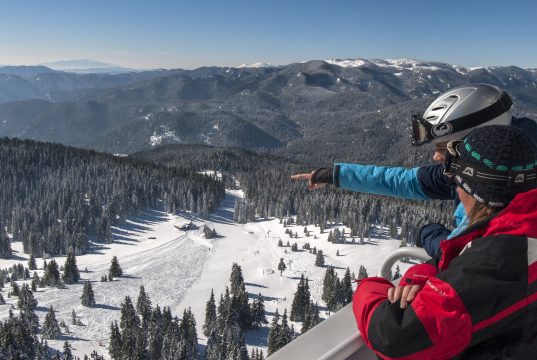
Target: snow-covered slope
(178, 269)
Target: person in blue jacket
(451, 116)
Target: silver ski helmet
(456, 112)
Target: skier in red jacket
(479, 301)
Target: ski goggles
(455, 166)
(424, 132)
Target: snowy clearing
(179, 268)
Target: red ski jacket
(479, 301)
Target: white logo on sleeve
(468, 171)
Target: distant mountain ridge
(357, 109)
(86, 66)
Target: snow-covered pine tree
(335, 298)
(346, 285)
(273, 335)
(31, 263)
(5, 243)
(115, 346)
(319, 260)
(129, 326)
(362, 273)
(155, 334)
(71, 274)
(259, 317)
(240, 301)
(328, 284)
(15, 289)
(67, 353)
(188, 336)
(51, 329)
(285, 335)
(300, 300)
(143, 307)
(88, 298)
(214, 349)
(236, 279)
(52, 274)
(210, 323)
(115, 269)
(27, 304)
(312, 317)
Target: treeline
(53, 197)
(270, 192)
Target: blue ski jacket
(421, 183)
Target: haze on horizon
(187, 34)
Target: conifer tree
(300, 300)
(143, 306)
(362, 273)
(129, 326)
(274, 334)
(188, 336)
(155, 334)
(115, 269)
(2, 301)
(328, 283)
(73, 317)
(346, 285)
(52, 274)
(115, 342)
(51, 329)
(236, 279)
(285, 335)
(319, 260)
(88, 298)
(5, 243)
(31, 263)
(27, 304)
(15, 289)
(210, 316)
(215, 347)
(71, 274)
(281, 266)
(67, 353)
(259, 317)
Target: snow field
(178, 269)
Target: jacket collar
(519, 218)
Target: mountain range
(354, 109)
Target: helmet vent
(431, 117)
(438, 108)
(453, 97)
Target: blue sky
(190, 34)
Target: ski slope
(179, 268)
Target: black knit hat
(497, 151)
